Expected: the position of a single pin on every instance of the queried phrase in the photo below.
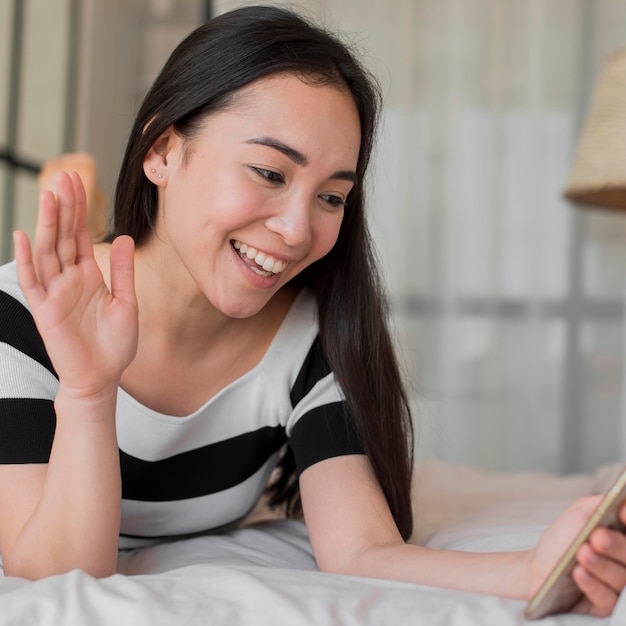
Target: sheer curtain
(507, 300)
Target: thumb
(122, 264)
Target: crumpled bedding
(265, 573)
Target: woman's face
(258, 194)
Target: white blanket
(265, 573)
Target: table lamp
(598, 175)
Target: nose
(292, 223)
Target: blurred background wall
(507, 300)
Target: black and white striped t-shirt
(193, 474)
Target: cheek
(328, 232)
(200, 206)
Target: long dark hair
(202, 76)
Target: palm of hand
(80, 317)
(90, 332)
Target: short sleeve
(28, 386)
(323, 433)
(321, 426)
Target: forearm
(75, 524)
(502, 574)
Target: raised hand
(90, 332)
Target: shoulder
(312, 383)
(300, 344)
(296, 338)
(9, 285)
(295, 357)
(28, 382)
(298, 327)
(18, 332)
(17, 327)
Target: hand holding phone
(559, 593)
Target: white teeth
(268, 264)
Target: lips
(261, 263)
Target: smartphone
(559, 593)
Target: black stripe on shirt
(322, 433)
(202, 471)
(26, 430)
(314, 369)
(17, 328)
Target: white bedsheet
(265, 574)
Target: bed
(264, 573)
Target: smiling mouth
(259, 262)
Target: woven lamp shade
(598, 176)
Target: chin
(242, 310)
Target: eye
(269, 175)
(337, 202)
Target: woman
(246, 315)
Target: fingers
(84, 244)
(26, 274)
(66, 218)
(45, 258)
(601, 569)
(605, 556)
(61, 236)
(602, 599)
(121, 261)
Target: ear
(159, 159)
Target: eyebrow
(298, 158)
